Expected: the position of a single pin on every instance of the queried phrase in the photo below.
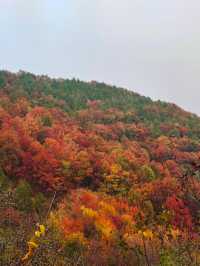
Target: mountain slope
(125, 171)
(73, 95)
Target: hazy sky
(149, 46)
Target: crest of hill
(72, 95)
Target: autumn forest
(92, 174)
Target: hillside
(123, 172)
(73, 95)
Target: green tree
(4, 182)
(39, 202)
(147, 173)
(23, 197)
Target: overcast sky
(149, 46)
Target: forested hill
(73, 95)
(123, 172)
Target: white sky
(151, 47)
